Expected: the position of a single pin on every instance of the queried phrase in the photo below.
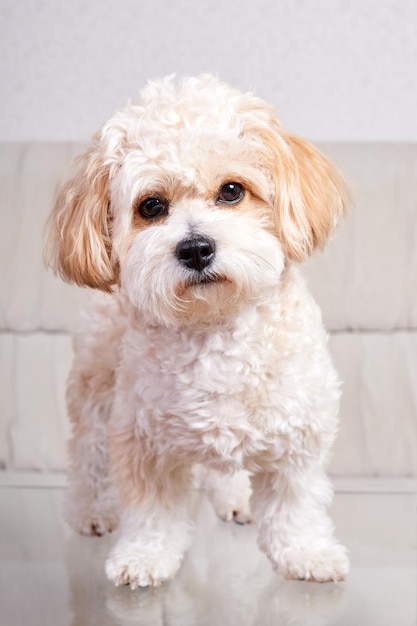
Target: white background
(335, 69)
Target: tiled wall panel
(366, 284)
(34, 425)
(378, 429)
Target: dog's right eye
(151, 208)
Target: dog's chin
(205, 300)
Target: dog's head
(193, 200)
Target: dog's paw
(138, 565)
(324, 564)
(230, 496)
(235, 511)
(98, 525)
(92, 520)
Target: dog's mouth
(206, 280)
(203, 281)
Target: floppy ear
(310, 197)
(78, 244)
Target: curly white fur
(225, 365)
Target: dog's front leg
(155, 532)
(295, 531)
(155, 529)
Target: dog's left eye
(230, 193)
(151, 208)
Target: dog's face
(193, 201)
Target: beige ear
(310, 197)
(78, 244)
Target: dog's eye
(230, 193)
(152, 208)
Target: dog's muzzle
(196, 253)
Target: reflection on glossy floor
(50, 577)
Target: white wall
(336, 69)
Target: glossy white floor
(50, 577)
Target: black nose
(196, 253)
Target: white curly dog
(190, 210)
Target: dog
(188, 215)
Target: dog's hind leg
(92, 506)
(230, 495)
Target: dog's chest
(200, 367)
(220, 393)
